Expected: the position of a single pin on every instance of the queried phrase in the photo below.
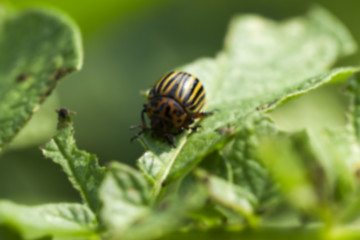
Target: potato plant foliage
(239, 176)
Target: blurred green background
(128, 45)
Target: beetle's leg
(170, 139)
(143, 117)
(202, 114)
(137, 135)
(195, 128)
(180, 130)
(143, 126)
(143, 123)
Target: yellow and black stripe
(185, 88)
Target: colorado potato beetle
(174, 103)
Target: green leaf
(237, 167)
(263, 64)
(124, 194)
(316, 172)
(63, 220)
(127, 212)
(350, 213)
(337, 152)
(284, 156)
(248, 171)
(82, 168)
(167, 218)
(40, 128)
(354, 116)
(217, 164)
(38, 47)
(230, 196)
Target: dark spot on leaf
(131, 192)
(61, 72)
(226, 130)
(357, 173)
(205, 179)
(164, 206)
(163, 184)
(138, 221)
(22, 77)
(47, 92)
(261, 211)
(265, 106)
(343, 90)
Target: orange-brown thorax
(167, 115)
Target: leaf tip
(347, 43)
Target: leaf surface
(315, 172)
(248, 171)
(229, 195)
(38, 47)
(128, 213)
(64, 219)
(82, 168)
(124, 194)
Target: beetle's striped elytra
(185, 88)
(175, 101)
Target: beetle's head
(160, 126)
